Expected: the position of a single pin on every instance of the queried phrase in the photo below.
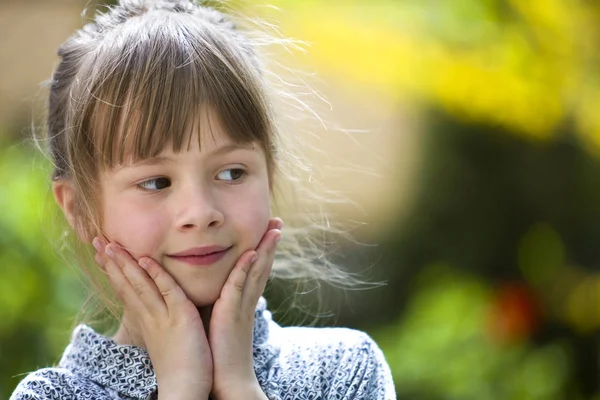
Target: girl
(167, 153)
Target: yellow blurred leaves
(528, 76)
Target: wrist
(250, 391)
(190, 395)
(183, 392)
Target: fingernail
(253, 258)
(143, 263)
(278, 238)
(110, 252)
(97, 245)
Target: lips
(199, 251)
(201, 256)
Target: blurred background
(472, 159)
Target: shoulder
(344, 363)
(329, 345)
(324, 342)
(56, 383)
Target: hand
(232, 319)
(168, 322)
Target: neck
(129, 333)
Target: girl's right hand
(168, 322)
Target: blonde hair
(135, 78)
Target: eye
(232, 174)
(155, 184)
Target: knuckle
(166, 292)
(239, 286)
(256, 273)
(245, 268)
(139, 289)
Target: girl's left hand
(232, 319)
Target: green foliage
(39, 295)
(541, 254)
(442, 348)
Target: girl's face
(178, 207)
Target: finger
(275, 223)
(100, 256)
(142, 285)
(261, 269)
(100, 261)
(234, 286)
(172, 294)
(121, 285)
(234, 289)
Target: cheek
(250, 216)
(139, 230)
(257, 224)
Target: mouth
(200, 258)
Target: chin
(203, 304)
(203, 300)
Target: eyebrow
(229, 148)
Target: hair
(157, 65)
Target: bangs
(149, 94)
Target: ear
(64, 194)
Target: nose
(198, 209)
